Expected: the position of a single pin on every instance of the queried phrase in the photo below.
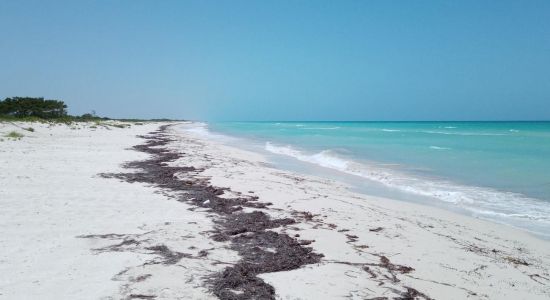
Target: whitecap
(439, 148)
(324, 158)
(462, 133)
(320, 128)
(391, 130)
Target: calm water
(493, 170)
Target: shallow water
(493, 170)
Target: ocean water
(493, 170)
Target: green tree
(33, 107)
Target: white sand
(50, 194)
(452, 254)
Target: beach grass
(14, 135)
(120, 125)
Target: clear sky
(282, 60)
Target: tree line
(22, 107)
(29, 107)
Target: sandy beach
(150, 211)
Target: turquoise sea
(493, 170)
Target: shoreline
(352, 182)
(402, 179)
(460, 235)
(262, 250)
(158, 246)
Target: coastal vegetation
(39, 109)
(21, 107)
(14, 135)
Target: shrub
(14, 135)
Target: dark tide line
(261, 250)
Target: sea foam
(324, 158)
(485, 202)
(439, 148)
(480, 201)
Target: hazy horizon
(282, 60)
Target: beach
(127, 210)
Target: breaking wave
(439, 148)
(480, 201)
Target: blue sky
(282, 60)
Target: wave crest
(480, 201)
(324, 158)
